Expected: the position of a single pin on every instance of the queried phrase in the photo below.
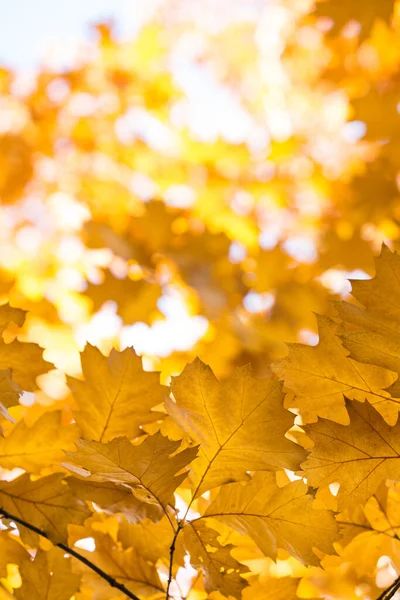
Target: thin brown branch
(171, 558)
(390, 591)
(110, 580)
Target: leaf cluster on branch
(158, 475)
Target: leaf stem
(110, 580)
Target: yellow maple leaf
(239, 423)
(151, 469)
(39, 446)
(322, 376)
(374, 335)
(220, 569)
(48, 573)
(358, 456)
(45, 503)
(114, 499)
(116, 396)
(24, 359)
(276, 517)
(126, 566)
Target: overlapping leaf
(151, 540)
(374, 335)
(24, 359)
(114, 499)
(240, 424)
(45, 503)
(47, 577)
(381, 513)
(220, 570)
(126, 566)
(9, 393)
(322, 376)
(11, 551)
(39, 446)
(358, 456)
(276, 517)
(151, 469)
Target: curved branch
(110, 580)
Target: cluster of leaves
(274, 481)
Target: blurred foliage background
(203, 185)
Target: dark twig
(171, 559)
(389, 592)
(110, 580)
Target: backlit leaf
(240, 424)
(359, 456)
(276, 517)
(46, 503)
(151, 469)
(48, 576)
(116, 396)
(322, 376)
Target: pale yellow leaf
(116, 396)
(39, 446)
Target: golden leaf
(48, 576)
(23, 359)
(322, 376)
(10, 314)
(114, 499)
(151, 540)
(240, 424)
(151, 469)
(136, 300)
(375, 333)
(39, 446)
(9, 393)
(276, 517)
(358, 456)
(45, 503)
(381, 513)
(220, 570)
(11, 551)
(126, 566)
